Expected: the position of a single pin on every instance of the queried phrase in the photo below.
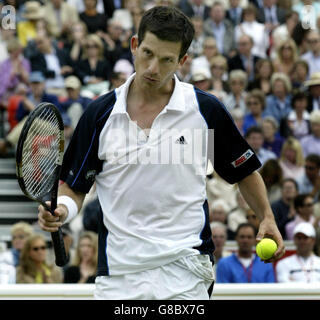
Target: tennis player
(154, 238)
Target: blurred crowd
(261, 58)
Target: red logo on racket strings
(41, 147)
(242, 158)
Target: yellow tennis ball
(266, 248)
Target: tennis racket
(39, 158)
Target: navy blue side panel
(207, 245)
(103, 268)
(230, 148)
(81, 163)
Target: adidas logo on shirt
(181, 140)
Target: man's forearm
(254, 192)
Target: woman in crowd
(33, 267)
(219, 67)
(84, 266)
(287, 55)
(272, 140)
(291, 159)
(264, 70)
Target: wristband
(71, 206)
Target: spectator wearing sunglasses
(33, 267)
(304, 206)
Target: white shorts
(188, 278)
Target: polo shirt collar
(176, 102)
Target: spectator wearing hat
(311, 143)
(304, 206)
(312, 57)
(201, 78)
(75, 103)
(313, 85)
(304, 265)
(60, 17)
(27, 30)
(13, 71)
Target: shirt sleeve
(282, 272)
(233, 158)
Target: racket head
(40, 151)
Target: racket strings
(40, 153)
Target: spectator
(313, 85)
(221, 29)
(297, 123)
(75, 103)
(278, 103)
(299, 74)
(197, 44)
(255, 30)
(238, 80)
(255, 101)
(262, 78)
(304, 265)
(310, 181)
(75, 41)
(238, 118)
(33, 267)
(60, 17)
(201, 79)
(283, 208)
(94, 70)
(219, 210)
(219, 237)
(253, 219)
(304, 206)
(271, 174)
(219, 68)
(13, 71)
(53, 63)
(235, 12)
(311, 142)
(94, 20)
(272, 140)
(107, 7)
(285, 30)
(208, 52)
(286, 56)
(194, 8)
(20, 231)
(312, 56)
(291, 159)
(244, 266)
(117, 79)
(84, 266)
(244, 59)
(184, 73)
(27, 30)
(271, 15)
(254, 137)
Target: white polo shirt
(152, 190)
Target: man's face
(219, 238)
(314, 41)
(315, 127)
(37, 88)
(246, 239)
(155, 61)
(289, 190)
(217, 13)
(255, 140)
(304, 244)
(307, 208)
(312, 171)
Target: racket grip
(59, 248)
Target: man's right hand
(49, 222)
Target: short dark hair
(314, 158)
(253, 129)
(298, 95)
(290, 180)
(299, 199)
(245, 225)
(168, 24)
